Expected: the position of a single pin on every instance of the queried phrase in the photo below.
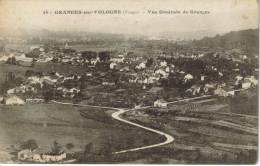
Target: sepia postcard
(129, 81)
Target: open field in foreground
(47, 123)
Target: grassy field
(245, 103)
(49, 122)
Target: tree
(106, 151)
(56, 149)
(11, 61)
(69, 146)
(149, 62)
(88, 150)
(30, 144)
(104, 56)
(29, 73)
(48, 92)
(33, 62)
(48, 95)
(35, 53)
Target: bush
(30, 144)
(69, 146)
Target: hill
(244, 40)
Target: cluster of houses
(216, 89)
(132, 69)
(34, 84)
(40, 157)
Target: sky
(224, 16)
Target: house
(125, 68)
(94, 61)
(224, 91)
(11, 91)
(163, 64)
(220, 92)
(112, 65)
(188, 77)
(167, 69)
(108, 83)
(74, 90)
(246, 84)
(238, 79)
(23, 60)
(194, 90)
(5, 58)
(24, 154)
(118, 59)
(160, 103)
(21, 89)
(35, 80)
(141, 66)
(202, 77)
(89, 74)
(162, 73)
(49, 80)
(152, 79)
(13, 100)
(210, 85)
(34, 100)
(231, 93)
(38, 156)
(252, 79)
(53, 158)
(44, 59)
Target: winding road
(169, 138)
(116, 115)
(119, 111)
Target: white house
(202, 78)
(35, 80)
(163, 63)
(13, 100)
(160, 103)
(35, 100)
(94, 61)
(112, 65)
(188, 77)
(24, 154)
(246, 84)
(238, 79)
(220, 92)
(11, 91)
(22, 57)
(28, 155)
(220, 74)
(49, 80)
(252, 79)
(119, 59)
(89, 74)
(108, 83)
(244, 57)
(141, 66)
(161, 72)
(167, 69)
